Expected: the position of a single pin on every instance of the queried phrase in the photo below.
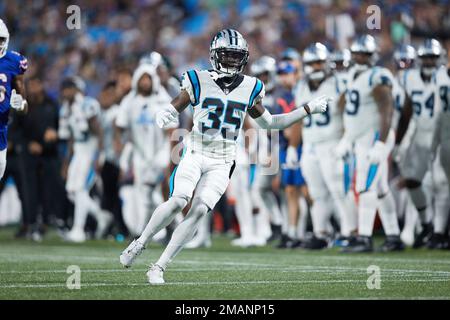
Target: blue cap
(286, 67)
(290, 54)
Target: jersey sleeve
(21, 63)
(122, 119)
(63, 124)
(190, 82)
(91, 108)
(257, 94)
(381, 76)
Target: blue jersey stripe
(172, 181)
(371, 176)
(347, 177)
(255, 92)
(172, 176)
(193, 78)
(374, 71)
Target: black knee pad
(412, 184)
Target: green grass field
(38, 271)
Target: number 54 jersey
(361, 111)
(422, 95)
(219, 112)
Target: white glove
(378, 152)
(291, 157)
(319, 104)
(343, 148)
(17, 101)
(166, 116)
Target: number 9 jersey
(219, 111)
(361, 111)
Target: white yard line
(259, 267)
(207, 283)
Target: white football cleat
(155, 275)
(131, 253)
(76, 235)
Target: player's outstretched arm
(178, 104)
(281, 121)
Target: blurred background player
(290, 153)
(109, 160)
(441, 139)
(420, 107)
(404, 59)
(150, 145)
(339, 63)
(266, 151)
(79, 124)
(322, 171)
(12, 67)
(367, 124)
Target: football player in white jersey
(221, 98)
(420, 106)
(404, 59)
(267, 148)
(78, 123)
(367, 124)
(339, 64)
(151, 146)
(441, 138)
(323, 174)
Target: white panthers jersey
(137, 114)
(361, 111)
(422, 95)
(74, 119)
(218, 114)
(443, 100)
(328, 125)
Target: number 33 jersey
(328, 125)
(361, 111)
(219, 111)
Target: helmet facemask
(229, 61)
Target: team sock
(388, 215)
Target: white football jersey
(422, 95)
(328, 125)
(443, 101)
(74, 119)
(138, 114)
(218, 114)
(361, 112)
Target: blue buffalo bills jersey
(12, 64)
